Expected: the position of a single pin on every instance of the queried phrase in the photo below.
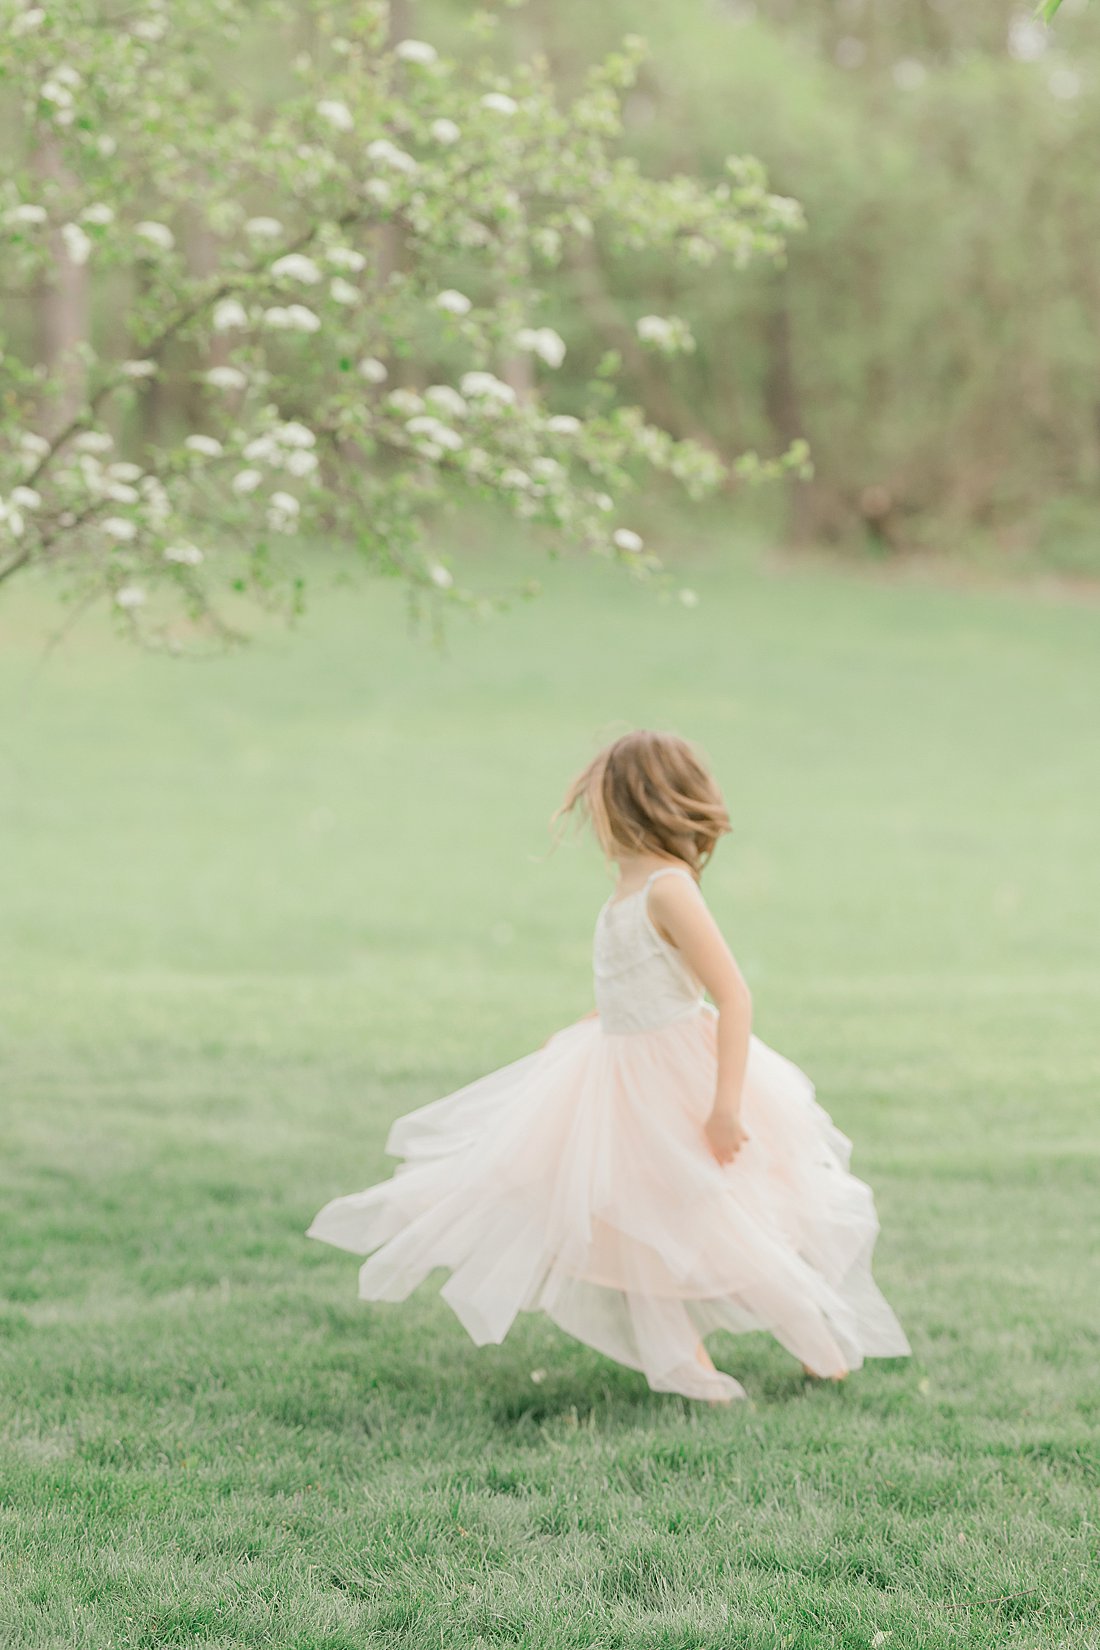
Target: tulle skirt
(577, 1181)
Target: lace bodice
(642, 981)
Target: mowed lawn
(253, 909)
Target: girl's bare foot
(703, 1357)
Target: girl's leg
(703, 1357)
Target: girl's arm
(680, 913)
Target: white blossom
(373, 370)
(150, 29)
(654, 329)
(442, 395)
(404, 402)
(548, 241)
(515, 478)
(225, 378)
(98, 213)
(117, 527)
(295, 266)
(205, 445)
(93, 441)
(700, 250)
(440, 435)
(1027, 39)
(455, 303)
(563, 424)
(603, 501)
(301, 319)
(336, 113)
(139, 369)
(263, 448)
(547, 469)
(689, 598)
(444, 130)
(67, 75)
(51, 91)
(295, 318)
(157, 505)
(157, 234)
(263, 229)
(293, 434)
(34, 445)
(27, 21)
(471, 232)
(909, 73)
(500, 103)
(131, 595)
(441, 576)
(485, 387)
(388, 154)
(26, 498)
(378, 190)
(300, 462)
(415, 51)
(120, 492)
(228, 315)
(78, 245)
(626, 539)
(282, 512)
(11, 520)
(544, 342)
(342, 292)
(246, 481)
(1065, 84)
(188, 555)
(345, 257)
(28, 213)
(124, 472)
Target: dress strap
(670, 871)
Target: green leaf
(1046, 10)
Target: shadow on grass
(412, 1357)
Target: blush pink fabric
(577, 1181)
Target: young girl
(654, 1172)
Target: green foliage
(932, 333)
(342, 255)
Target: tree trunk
(62, 311)
(782, 407)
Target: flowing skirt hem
(578, 1182)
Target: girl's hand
(724, 1135)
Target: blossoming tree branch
(335, 282)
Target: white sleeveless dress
(577, 1181)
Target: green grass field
(255, 908)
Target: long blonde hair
(653, 793)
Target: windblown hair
(650, 793)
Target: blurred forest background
(935, 334)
